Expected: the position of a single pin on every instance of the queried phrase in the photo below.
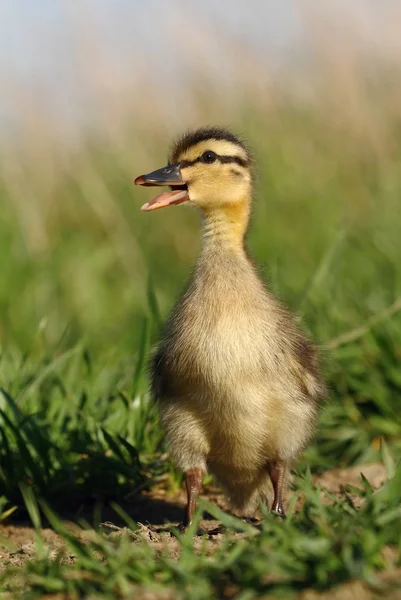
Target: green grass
(86, 281)
(322, 545)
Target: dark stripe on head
(191, 138)
(233, 159)
(224, 159)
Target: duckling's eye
(208, 157)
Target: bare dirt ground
(156, 511)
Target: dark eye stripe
(233, 159)
(187, 163)
(224, 159)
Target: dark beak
(169, 175)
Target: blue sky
(51, 45)
(37, 36)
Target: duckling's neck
(224, 228)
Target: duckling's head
(209, 168)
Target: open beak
(171, 176)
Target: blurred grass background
(77, 253)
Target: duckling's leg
(276, 471)
(193, 481)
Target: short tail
(245, 497)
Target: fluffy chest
(219, 332)
(229, 337)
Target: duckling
(236, 383)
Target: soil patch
(156, 512)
